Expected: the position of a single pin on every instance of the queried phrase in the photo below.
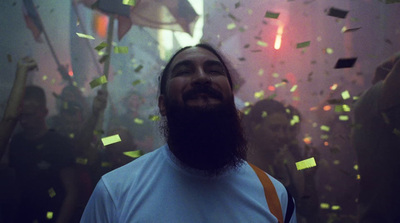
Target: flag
(32, 19)
(176, 15)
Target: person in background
(268, 124)
(44, 165)
(200, 175)
(376, 139)
(8, 192)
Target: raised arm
(9, 120)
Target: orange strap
(270, 193)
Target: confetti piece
(260, 72)
(136, 82)
(358, 176)
(295, 119)
(139, 68)
(106, 164)
(385, 118)
(343, 118)
(346, 108)
(81, 35)
(264, 114)
(345, 62)
(154, 117)
(307, 139)
(9, 58)
(49, 215)
(231, 26)
(133, 154)
(355, 167)
(336, 162)
(262, 43)
(121, 49)
(71, 135)
(325, 128)
(129, 2)
(329, 50)
(303, 44)
(335, 207)
(307, 163)
(275, 75)
(324, 206)
(52, 193)
(338, 13)
(324, 137)
(138, 121)
(98, 81)
(111, 139)
(293, 88)
(346, 30)
(272, 15)
(345, 95)
(101, 46)
(44, 77)
(81, 160)
(259, 94)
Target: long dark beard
(209, 139)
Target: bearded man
(200, 175)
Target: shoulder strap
(270, 194)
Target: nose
(201, 78)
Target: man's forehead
(194, 54)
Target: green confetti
(138, 68)
(81, 35)
(262, 43)
(121, 49)
(129, 2)
(133, 154)
(231, 26)
(138, 121)
(264, 114)
(275, 75)
(247, 111)
(293, 88)
(52, 192)
(49, 215)
(259, 94)
(325, 137)
(260, 72)
(385, 118)
(346, 95)
(272, 15)
(98, 81)
(329, 50)
(81, 160)
(343, 117)
(325, 128)
(307, 163)
(303, 44)
(136, 82)
(110, 139)
(106, 164)
(295, 119)
(335, 207)
(346, 108)
(324, 206)
(154, 117)
(101, 46)
(44, 77)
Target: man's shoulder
(139, 167)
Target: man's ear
(161, 105)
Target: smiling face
(196, 78)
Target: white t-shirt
(157, 188)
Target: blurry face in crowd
(32, 115)
(197, 79)
(272, 131)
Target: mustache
(202, 90)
